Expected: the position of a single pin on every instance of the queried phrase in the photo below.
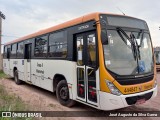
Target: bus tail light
(113, 89)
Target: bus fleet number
(131, 89)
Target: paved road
(43, 100)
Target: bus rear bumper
(110, 102)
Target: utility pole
(2, 16)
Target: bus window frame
(71, 31)
(66, 35)
(130, 30)
(34, 46)
(22, 56)
(11, 50)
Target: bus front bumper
(110, 102)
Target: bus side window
(8, 52)
(13, 52)
(80, 50)
(20, 50)
(58, 45)
(41, 46)
(5, 52)
(91, 50)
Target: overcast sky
(27, 16)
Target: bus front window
(121, 56)
(146, 55)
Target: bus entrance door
(27, 62)
(86, 64)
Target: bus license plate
(141, 101)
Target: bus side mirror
(104, 36)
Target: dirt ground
(42, 100)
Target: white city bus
(102, 60)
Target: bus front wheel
(62, 93)
(16, 79)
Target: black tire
(16, 79)
(62, 93)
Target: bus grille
(133, 100)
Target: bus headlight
(113, 89)
(155, 83)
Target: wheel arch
(56, 79)
(14, 69)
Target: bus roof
(85, 18)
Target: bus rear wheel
(62, 93)
(16, 79)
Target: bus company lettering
(39, 65)
(40, 71)
(147, 87)
(83, 27)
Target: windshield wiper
(124, 33)
(141, 39)
(137, 46)
(133, 46)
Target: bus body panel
(6, 67)
(38, 75)
(109, 101)
(130, 89)
(45, 70)
(9, 65)
(103, 73)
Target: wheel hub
(64, 93)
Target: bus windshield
(124, 56)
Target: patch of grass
(11, 103)
(2, 75)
